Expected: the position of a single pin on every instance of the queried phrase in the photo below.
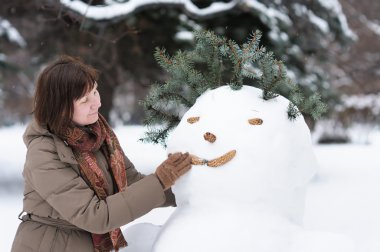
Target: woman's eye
(192, 120)
(255, 121)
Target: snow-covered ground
(343, 198)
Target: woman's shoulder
(46, 151)
(39, 143)
(37, 134)
(38, 139)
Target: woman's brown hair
(58, 86)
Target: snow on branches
(115, 9)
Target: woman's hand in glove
(172, 168)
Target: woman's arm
(133, 176)
(58, 184)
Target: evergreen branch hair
(215, 61)
(163, 58)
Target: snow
(184, 36)
(374, 26)
(3, 57)
(320, 23)
(6, 29)
(362, 101)
(268, 15)
(349, 180)
(343, 197)
(336, 8)
(115, 10)
(11, 164)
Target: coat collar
(65, 153)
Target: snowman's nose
(209, 137)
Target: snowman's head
(263, 151)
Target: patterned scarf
(85, 141)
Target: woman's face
(86, 108)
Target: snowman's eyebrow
(255, 121)
(193, 119)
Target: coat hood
(33, 131)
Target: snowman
(252, 155)
(246, 189)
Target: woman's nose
(208, 136)
(96, 103)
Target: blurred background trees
(329, 46)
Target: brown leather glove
(172, 168)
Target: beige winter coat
(63, 209)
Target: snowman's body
(253, 202)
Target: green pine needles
(215, 61)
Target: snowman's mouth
(214, 162)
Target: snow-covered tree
(119, 38)
(12, 98)
(302, 33)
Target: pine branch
(162, 58)
(250, 73)
(250, 48)
(156, 115)
(237, 63)
(266, 66)
(293, 111)
(156, 136)
(314, 106)
(301, 105)
(213, 59)
(252, 42)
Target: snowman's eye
(193, 119)
(255, 121)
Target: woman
(79, 186)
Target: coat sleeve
(133, 176)
(58, 184)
